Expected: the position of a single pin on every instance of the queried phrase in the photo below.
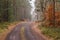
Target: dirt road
(24, 31)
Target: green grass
(3, 26)
(52, 32)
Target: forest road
(24, 31)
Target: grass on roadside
(4, 25)
(52, 32)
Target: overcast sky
(32, 3)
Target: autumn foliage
(49, 16)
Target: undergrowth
(52, 32)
